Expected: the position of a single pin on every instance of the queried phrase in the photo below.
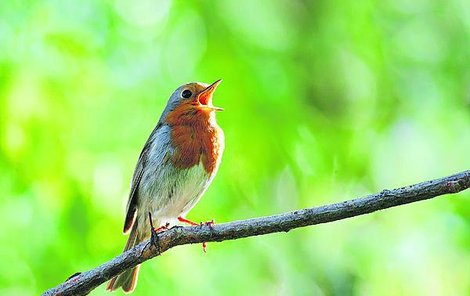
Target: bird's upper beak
(205, 96)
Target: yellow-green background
(324, 101)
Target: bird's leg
(184, 220)
(208, 223)
(162, 228)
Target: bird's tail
(128, 279)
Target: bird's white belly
(170, 193)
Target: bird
(176, 166)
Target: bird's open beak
(205, 96)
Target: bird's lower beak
(205, 97)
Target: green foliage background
(324, 101)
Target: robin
(176, 166)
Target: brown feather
(194, 137)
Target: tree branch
(83, 283)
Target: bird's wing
(138, 172)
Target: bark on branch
(83, 283)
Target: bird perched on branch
(177, 164)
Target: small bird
(176, 166)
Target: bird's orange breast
(195, 138)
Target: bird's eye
(186, 93)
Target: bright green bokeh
(324, 101)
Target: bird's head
(191, 99)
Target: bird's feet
(208, 223)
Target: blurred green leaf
(324, 101)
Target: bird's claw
(209, 223)
(201, 224)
